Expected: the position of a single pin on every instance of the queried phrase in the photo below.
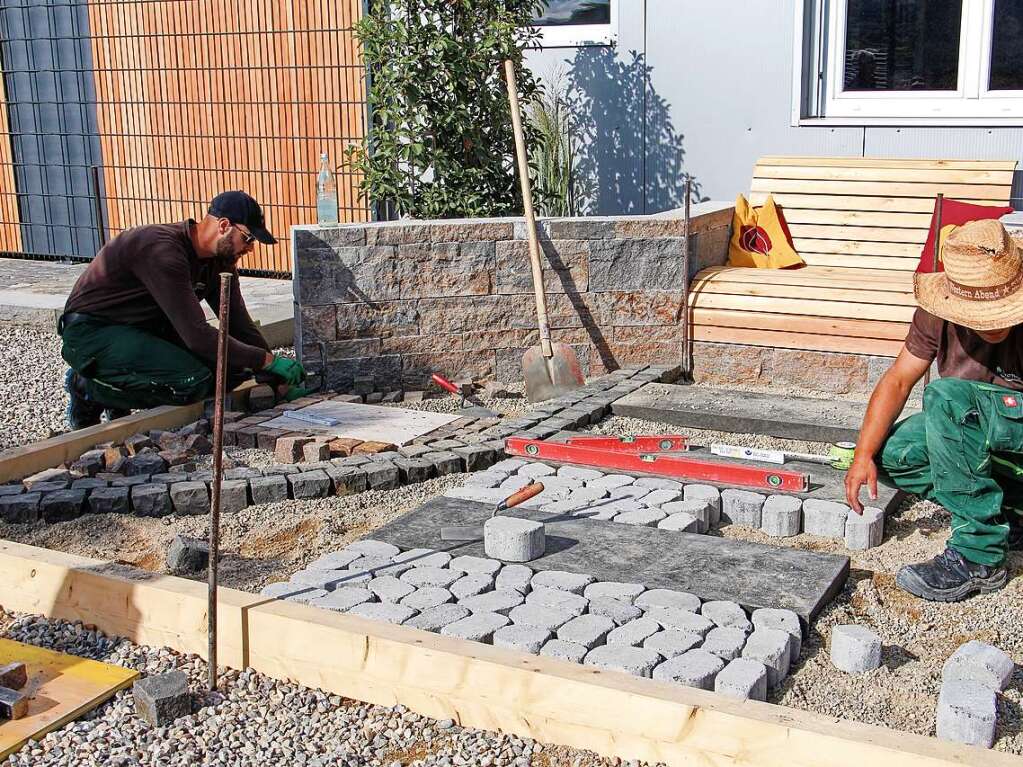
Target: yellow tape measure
(841, 454)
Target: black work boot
(81, 411)
(949, 577)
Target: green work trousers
(129, 368)
(964, 451)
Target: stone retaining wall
(401, 300)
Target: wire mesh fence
(117, 113)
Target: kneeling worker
(134, 332)
(965, 450)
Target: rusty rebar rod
(218, 467)
(687, 253)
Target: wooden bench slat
(859, 233)
(870, 218)
(824, 276)
(969, 192)
(885, 176)
(857, 247)
(826, 202)
(841, 309)
(848, 294)
(828, 326)
(878, 162)
(847, 344)
(865, 262)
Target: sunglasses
(247, 237)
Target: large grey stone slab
(751, 574)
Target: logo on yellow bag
(755, 240)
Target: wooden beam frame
(476, 685)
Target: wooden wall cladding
(197, 97)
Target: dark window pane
(564, 12)
(902, 45)
(1007, 46)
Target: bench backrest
(867, 212)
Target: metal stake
(937, 253)
(687, 352)
(97, 204)
(218, 458)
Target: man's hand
(294, 392)
(862, 472)
(290, 371)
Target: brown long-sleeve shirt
(152, 277)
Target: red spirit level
(618, 454)
(653, 443)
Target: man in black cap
(133, 330)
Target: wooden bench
(859, 224)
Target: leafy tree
(440, 141)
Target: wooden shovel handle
(527, 204)
(521, 496)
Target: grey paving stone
(161, 699)
(485, 479)
(270, 489)
(62, 505)
(190, 498)
(368, 547)
(500, 602)
(436, 618)
(108, 500)
(726, 614)
(328, 580)
(344, 598)
(638, 661)
(629, 492)
(619, 612)
(485, 495)
(610, 481)
(744, 679)
(512, 539)
(578, 472)
(659, 483)
(387, 612)
(234, 495)
(540, 616)
(423, 558)
(742, 507)
(425, 597)
(444, 462)
(292, 591)
(574, 583)
(334, 560)
(352, 576)
(508, 465)
(694, 668)
(634, 632)
(668, 598)
(864, 531)
(151, 500)
(680, 620)
(588, 494)
(521, 637)
(478, 627)
(623, 592)
(709, 494)
(726, 643)
(515, 482)
(378, 566)
(565, 506)
(476, 457)
(782, 516)
(825, 518)
(382, 476)
(187, 554)
(967, 713)
(980, 662)
(682, 523)
(770, 647)
(661, 497)
(536, 470)
(855, 649)
(563, 600)
(514, 578)
(784, 620)
(472, 584)
(475, 565)
(88, 483)
(387, 588)
(670, 643)
(588, 630)
(52, 487)
(562, 650)
(645, 517)
(347, 479)
(310, 484)
(20, 509)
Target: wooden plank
(823, 276)
(874, 202)
(854, 247)
(879, 162)
(806, 307)
(828, 326)
(849, 294)
(852, 262)
(870, 218)
(752, 337)
(476, 685)
(60, 687)
(859, 233)
(883, 176)
(972, 192)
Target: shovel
(475, 532)
(549, 369)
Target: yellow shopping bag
(760, 237)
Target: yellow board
(61, 687)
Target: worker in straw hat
(965, 450)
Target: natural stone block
(136, 443)
(20, 509)
(163, 698)
(476, 457)
(512, 539)
(234, 495)
(372, 447)
(187, 554)
(413, 470)
(826, 518)
(151, 500)
(866, 530)
(269, 489)
(62, 505)
(638, 661)
(781, 516)
(45, 476)
(190, 498)
(967, 713)
(144, 464)
(290, 449)
(89, 463)
(309, 484)
(445, 462)
(855, 649)
(382, 476)
(980, 662)
(744, 679)
(348, 480)
(13, 676)
(13, 704)
(313, 451)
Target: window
(914, 60)
(578, 22)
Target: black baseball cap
(239, 208)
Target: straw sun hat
(981, 285)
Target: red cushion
(956, 213)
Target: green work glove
(290, 371)
(295, 392)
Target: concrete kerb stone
(784, 620)
(864, 531)
(855, 649)
(967, 713)
(638, 661)
(770, 647)
(742, 507)
(521, 637)
(824, 518)
(744, 679)
(512, 539)
(709, 494)
(562, 650)
(979, 662)
(694, 668)
(781, 516)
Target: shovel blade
(549, 378)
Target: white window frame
(972, 104)
(579, 35)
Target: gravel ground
(32, 387)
